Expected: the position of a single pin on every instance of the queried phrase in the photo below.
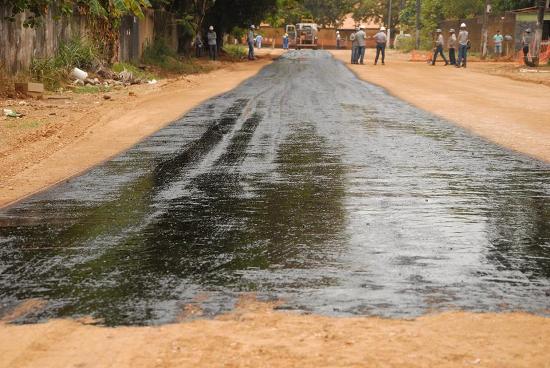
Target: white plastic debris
(12, 114)
(152, 81)
(79, 74)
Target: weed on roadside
(92, 89)
(160, 55)
(77, 52)
(25, 124)
(235, 52)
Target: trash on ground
(152, 81)
(79, 74)
(12, 114)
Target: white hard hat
(382, 28)
(452, 30)
(362, 27)
(252, 26)
(338, 32)
(438, 31)
(211, 28)
(463, 25)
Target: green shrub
(159, 54)
(77, 52)
(407, 44)
(47, 72)
(235, 52)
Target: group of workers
(212, 42)
(460, 44)
(359, 44)
(212, 39)
(456, 44)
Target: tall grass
(159, 54)
(236, 52)
(407, 44)
(77, 52)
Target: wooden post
(538, 31)
(484, 29)
(388, 41)
(417, 25)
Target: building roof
(349, 23)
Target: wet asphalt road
(304, 184)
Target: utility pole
(417, 25)
(538, 31)
(388, 40)
(484, 29)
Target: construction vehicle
(303, 35)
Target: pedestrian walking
(198, 45)
(463, 45)
(439, 44)
(525, 44)
(259, 40)
(381, 39)
(250, 41)
(354, 46)
(338, 40)
(497, 39)
(361, 38)
(212, 43)
(453, 44)
(285, 41)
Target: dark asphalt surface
(303, 184)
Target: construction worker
(381, 40)
(361, 38)
(497, 39)
(259, 39)
(526, 43)
(285, 41)
(198, 45)
(338, 39)
(439, 44)
(212, 43)
(354, 46)
(452, 47)
(250, 41)
(463, 44)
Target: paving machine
(303, 35)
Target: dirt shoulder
(482, 98)
(256, 336)
(60, 138)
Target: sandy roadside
(256, 336)
(87, 131)
(511, 113)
